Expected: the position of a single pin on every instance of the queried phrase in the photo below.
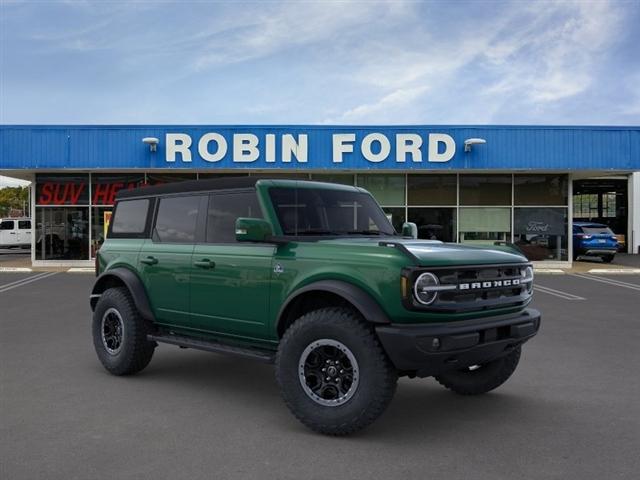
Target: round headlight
(527, 277)
(424, 288)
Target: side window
(176, 220)
(24, 224)
(130, 217)
(7, 225)
(224, 209)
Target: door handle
(149, 260)
(204, 263)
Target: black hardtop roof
(213, 184)
(223, 183)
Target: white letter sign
(178, 143)
(203, 147)
(408, 143)
(434, 142)
(245, 147)
(339, 147)
(299, 149)
(385, 147)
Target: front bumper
(431, 349)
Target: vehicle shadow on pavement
(213, 373)
(432, 413)
(421, 410)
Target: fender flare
(133, 284)
(361, 300)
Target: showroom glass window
(161, 178)
(388, 190)
(541, 189)
(540, 216)
(483, 219)
(489, 190)
(541, 232)
(344, 179)
(62, 217)
(432, 201)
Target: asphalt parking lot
(570, 411)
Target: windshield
(320, 211)
(593, 230)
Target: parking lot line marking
(608, 281)
(21, 280)
(557, 293)
(20, 283)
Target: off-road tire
(136, 351)
(481, 380)
(377, 376)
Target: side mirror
(252, 230)
(409, 229)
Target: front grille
(477, 288)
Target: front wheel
(332, 372)
(478, 379)
(608, 258)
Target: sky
(328, 62)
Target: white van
(15, 232)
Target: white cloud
(553, 57)
(387, 104)
(308, 62)
(12, 182)
(287, 26)
(531, 54)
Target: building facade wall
(529, 210)
(513, 184)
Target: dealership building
(480, 185)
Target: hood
(434, 253)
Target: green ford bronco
(314, 278)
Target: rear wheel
(332, 372)
(478, 379)
(120, 333)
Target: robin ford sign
(374, 147)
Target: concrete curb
(616, 271)
(549, 271)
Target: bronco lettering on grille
(512, 282)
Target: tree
(13, 198)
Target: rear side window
(593, 230)
(6, 225)
(224, 210)
(177, 219)
(130, 217)
(24, 224)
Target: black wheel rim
(112, 330)
(328, 372)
